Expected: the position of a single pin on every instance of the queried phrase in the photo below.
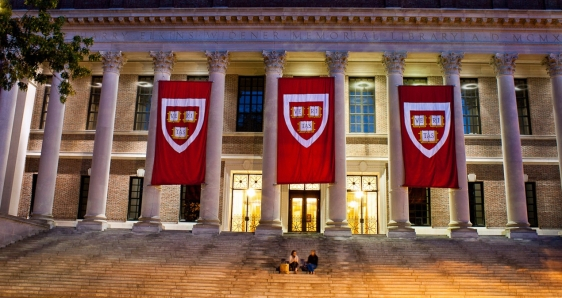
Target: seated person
(294, 261)
(312, 262)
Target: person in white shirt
(294, 261)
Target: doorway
(304, 211)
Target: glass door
(304, 211)
(362, 201)
(246, 202)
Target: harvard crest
(306, 116)
(182, 120)
(428, 125)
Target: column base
(401, 232)
(337, 232)
(43, 220)
(462, 233)
(206, 227)
(269, 228)
(521, 233)
(149, 226)
(92, 225)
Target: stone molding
(274, 61)
(113, 61)
(504, 63)
(163, 61)
(450, 63)
(217, 61)
(317, 16)
(336, 62)
(394, 62)
(553, 63)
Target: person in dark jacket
(312, 262)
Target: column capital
(553, 63)
(450, 63)
(336, 61)
(217, 61)
(113, 61)
(163, 61)
(504, 63)
(274, 61)
(394, 62)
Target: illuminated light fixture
(250, 192)
(363, 85)
(140, 173)
(96, 85)
(469, 86)
(89, 171)
(47, 85)
(359, 194)
(471, 177)
(525, 177)
(520, 87)
(144, 84)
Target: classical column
(149, 220)
(459, 226)
(337, 222)
(270, 222)
(516, 202)
(399, 217)
(553, 63)
(7, 111)
(18, 150)
(99, 179)
(208, 222)
(49, 161)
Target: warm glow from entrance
(250, 192)
(359, 194)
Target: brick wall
(381, 100)
(230, 103)
(540, 105)
(440, 207)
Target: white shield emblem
(181, 121)
(306, 116)
(428, 125)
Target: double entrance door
(304, 211)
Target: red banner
(428, 136)
(305, 131)
(181, 133)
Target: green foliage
(36, 39)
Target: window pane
(470, 106)
(361, 105)
(250, 104)
(135, 198)
(93, 106)
(45, 107)
(190, 199)
(522, 98)
(420, 207)
(530, 192)
(144, 99)
(83, 198)
(476, 204)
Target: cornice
(313, 16)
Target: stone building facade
(503, 56)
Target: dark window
(531, 195)
(83, 199)
(94, 104)
(361, 105)
(135, 198)
(470, 106)
(420, 211)
(522, 97)
(33, 189)
(476, 203)
(197, 78)
(190, 198)
(415, 81)
(144, 98)
(45, 107)
(250, 104)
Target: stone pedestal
(459, 209)
(337, 223)
(399, 222)
(270, 222)
(516, 201)
(101, 161)
(149, 220)
(208, 222)
(521, 233)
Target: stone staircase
(119, 263)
